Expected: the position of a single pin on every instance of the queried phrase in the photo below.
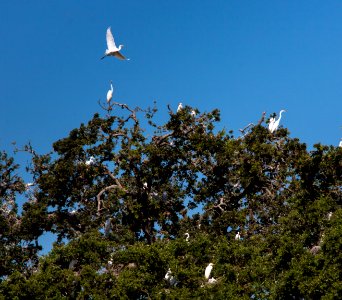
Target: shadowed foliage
(121, 191)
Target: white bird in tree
(270, 124)
(238, 236)
(340, 144)
(112, 49)
(169, 278)
(208, 270)
(212, 280)
(110, 93)
(193, 113)
(90, 161)
(187, 237)
(180, 107)
(275, 125)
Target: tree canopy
(121, 191)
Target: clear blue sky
(243, 57)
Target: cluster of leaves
(120, 198)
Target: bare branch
(220, 205)
(117, 185)
(262, 119)
(98, 197)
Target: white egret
(208, 270)
(276, 123)
(212, 280)
(90, 161)
(270, 124)
(110, 93)
(180, 106)
(187, 237)
(169, 278)
(238, 236)
(340, 144)
(145, 185)
(193, 113)
(112, 49)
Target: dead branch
(220, 205)
(98, 197)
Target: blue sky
(243, 57)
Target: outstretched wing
(119, 55)
(110, 40)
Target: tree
(121, 191)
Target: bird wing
(119, 55)
(110, 41)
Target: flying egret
(187, 237)
(276, 123)
(180, 106)
(112, 49)
(110, 93)
(238, 236)
(208, 270)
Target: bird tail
(103, 56)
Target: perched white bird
(193, 113)
(275, 125)
(145, 185)
(90, 161)
(110, 93)
(238, 236)
(212, 280)
(340, 144)
(180, 106)
(112, 49)
(169, 278)
(208, 270)
(187, 237)
(271, 124)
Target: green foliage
(120, 198)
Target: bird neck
(280, 115)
